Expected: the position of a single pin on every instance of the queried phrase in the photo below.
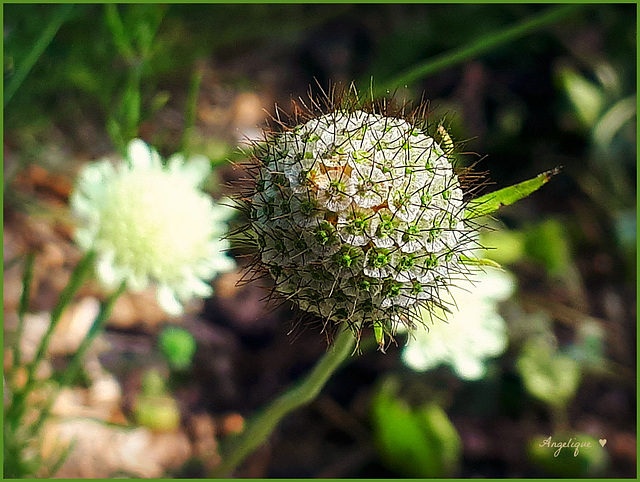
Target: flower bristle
(357, 212)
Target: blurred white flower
(474, 332)
(149, 222)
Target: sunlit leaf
(587, 98)
(493, 201)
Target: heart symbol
(602, 441)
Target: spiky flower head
(149, 222)
(359, 218)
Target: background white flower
(149, 222)
(474, 332)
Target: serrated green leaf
(491, 202)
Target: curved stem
(260, 427)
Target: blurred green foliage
(548, 374)
(414, 442)
(154, 407)
(589, 347)
(547, 242)
(178, 346)
(108, 60)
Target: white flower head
(150, 222)
(365, 197)
(474, 332)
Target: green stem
(48, 33)
(73, 367)
(23, 307)
(260, 427)
(96, 328)
(18, 404)
(190, 109)
(78, 276)
(119, 32)
(479, 46)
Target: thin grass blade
(478, 47)
(23, 306)
(60, 16)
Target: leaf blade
(493, 201)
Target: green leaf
(161, 413)
(130, 106)
(548, 375)
(82, 270)
(115, 133)
(414, 442)
(23, 306)
(190, 109)
(613, 120)
(118, 31)
(378, 330)
(178, 346)
(587, 98)
(158, 101)
(54, 463)
(491, 202)
(479, 262)
(478, 46)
